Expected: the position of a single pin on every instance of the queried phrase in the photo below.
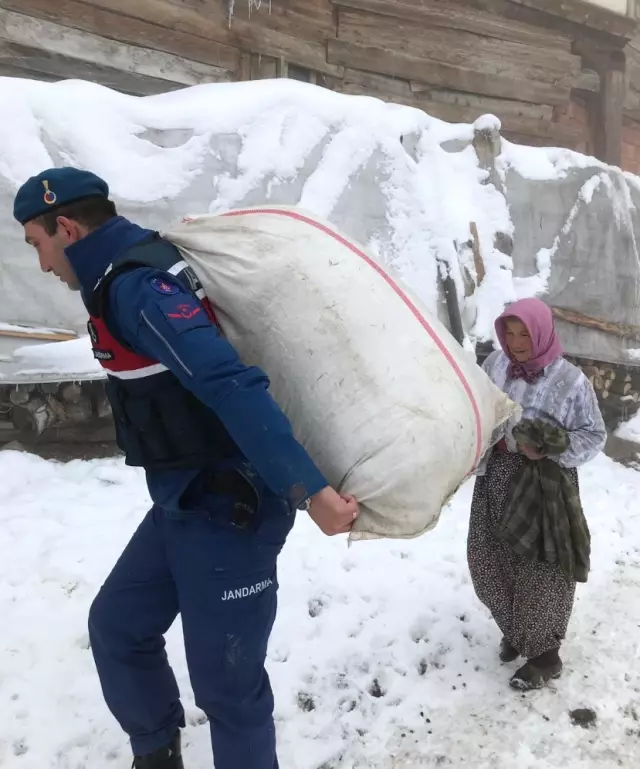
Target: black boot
(169, 757)
(508, 653)
(538, 672)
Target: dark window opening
(294, 72)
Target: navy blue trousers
(222, 580)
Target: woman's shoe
(537, 672)
(508, 653)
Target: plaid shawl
(543, 519)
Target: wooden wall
(542, 66)
(458, 63)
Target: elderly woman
(531, 600)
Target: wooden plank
(606, 326)
(424, 74)
(521, 90)
(487, 104)
(212, 26)
(40, 64)
(532, 141)
(11, 69)
(399, 90)
(513, 11)
(54, 336)
(608, 141)
(460, 49)
(304, 53)
(487, 144)
(80, 51)
(560, 133)
(244, 73)
(114, 26)
(477, 253)
(586, 14)
(516, 117)
(452, 16)
(390, 88)
(67, 433)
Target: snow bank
(630, 431)
(70, 359)
(400, 182)
(381, 657)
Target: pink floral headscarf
(538, 318)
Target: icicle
(257, 4)
(252, 4)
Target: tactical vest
(160, 424)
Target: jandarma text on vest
(103, 354)
(245, 592)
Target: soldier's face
(50, 249)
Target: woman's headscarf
(546, 346)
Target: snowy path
(381, 656)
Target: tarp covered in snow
(400, 182)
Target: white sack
(386, 402)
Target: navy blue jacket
(203, 361)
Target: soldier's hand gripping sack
(385, 401)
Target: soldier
(224, 471)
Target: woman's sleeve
(489, 368)
(584, 423)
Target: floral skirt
(531, 601)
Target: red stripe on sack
(414, 310)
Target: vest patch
(184, 313)
(163, 286)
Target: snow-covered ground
(630, 431)
(381, 656)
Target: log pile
(67, 412)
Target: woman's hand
(530, 453)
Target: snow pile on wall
(393, 178)
(47, 361)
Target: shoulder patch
(184, 313)
(163, 286)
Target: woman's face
(518, 340)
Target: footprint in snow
(20, 747)
(197, 719)
(316, 607)
(306, 702)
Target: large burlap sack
(386, 402)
